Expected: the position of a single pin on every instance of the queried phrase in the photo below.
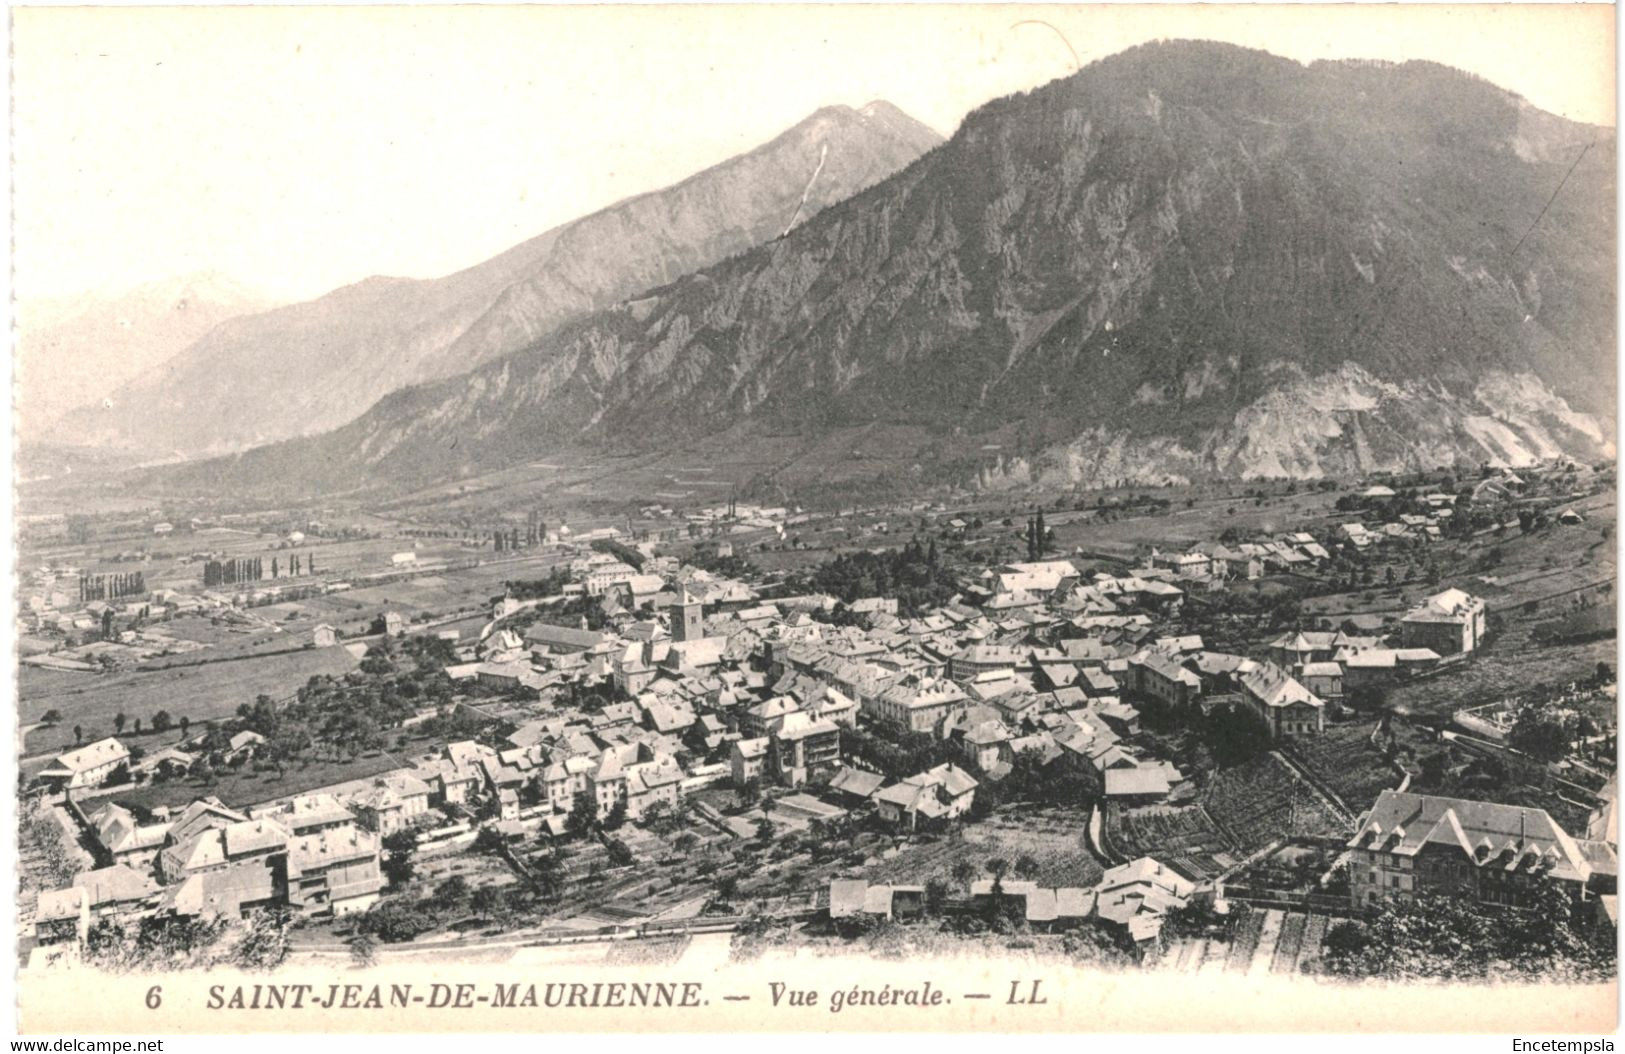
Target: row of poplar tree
(252, 569)
(111, 587)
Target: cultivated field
(1345, 760)
(1261, 800)
(243, 786)
(199, 692)
(1055, 839)
(1510, 664)
(1182, 836)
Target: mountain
(1186, 260)
(313, 366)
(74, 351)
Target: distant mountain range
(75, 351)
(1186, 260)
(313, 366)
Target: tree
(78, 734)
(583, 813)
(486, 902)
(363, 950)
(936, 896)
(186, 722)
(158, 941)
(659, 817)
(395, 920)
(1026, 866)
(119, 721)
(1435, 766)
(107, 944)
(265, 945)
(619, 854)
(1540, 733)
(550, 874)
(53, 717)
(1433, 935)
(616, 816)
(162, 722)
(765, 830)
(452, 892)
(398, 866)
(963, 872)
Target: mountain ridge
(79, 349)
(1138, 271)
(315, 365)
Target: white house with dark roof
(547, 639)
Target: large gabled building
(88, 766)
(1284, 705)
(1497, 854)
(918, 704)
(1450, 623)
(1157, 675)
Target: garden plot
(1261, 800)
(1346, 760)
(1058, 849)
(1184, 837)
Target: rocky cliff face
(313, 366)
(1188, 259)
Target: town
(1243, 727)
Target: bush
(396, 921)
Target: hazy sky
(298, 149)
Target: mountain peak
(894, 123)
(882, 110)
(1187, 261)
(319, 363)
